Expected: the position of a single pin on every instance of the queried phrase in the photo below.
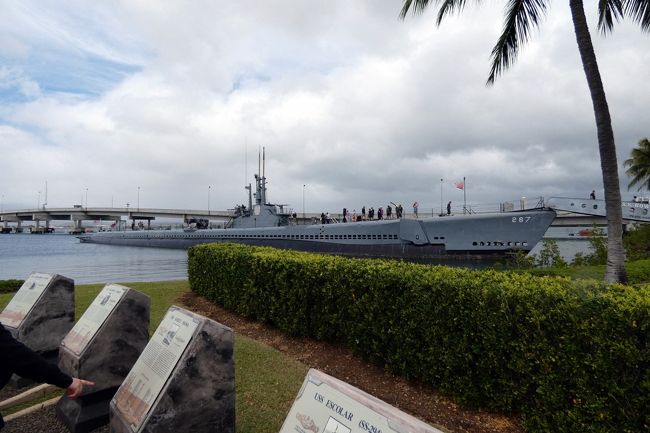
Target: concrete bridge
(77, 214)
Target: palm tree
(639, 165)
(520, 17)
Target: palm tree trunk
(615, 271)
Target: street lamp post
(209, 189)
(441, 197)
(138, 199)
(38, 202)
(303, 203)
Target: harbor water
(22, 254)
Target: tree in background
(549, 255)
(637, 243)
(639, 165)
(520, 17)
(597, 247)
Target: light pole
(138, 199)
(209, 188)
(440, 196)
(303, 202)
(86, 198)
(38, 203)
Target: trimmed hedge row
(569, 356)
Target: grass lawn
(638, 272)
(266, 380)
(595, 272)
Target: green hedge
(568, 356)
(8, 286)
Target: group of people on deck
(370, 214)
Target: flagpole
(464, 196)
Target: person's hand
(76, 387)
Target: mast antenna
(263, 175)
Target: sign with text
(23, 301)
(93, 318)
(141, 388)
(328, 405)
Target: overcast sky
(105, 99)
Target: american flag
(460, 184)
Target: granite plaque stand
(39, 315)
(184, 381)
(327, 405)
(102, 347)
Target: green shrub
(637, 243)
(549, 255)
(8, 286)
(580, 259)
(569, 356)
(598, 244)
(597, 247)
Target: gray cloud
(357, 105)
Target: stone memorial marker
(39, 315)
(184, 381)
(327, 405)
(102, 347)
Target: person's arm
(23, 361)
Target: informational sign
(328, 405)
(25, 299)
(94, 317)
(141, 388)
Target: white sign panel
(93, 318)
(141, 388)
(328, 405)
(23, 301)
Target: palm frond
(639, 11)
(608, 12)
(418, 7)
(448, 7)
(639, 165)
(521, 15)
